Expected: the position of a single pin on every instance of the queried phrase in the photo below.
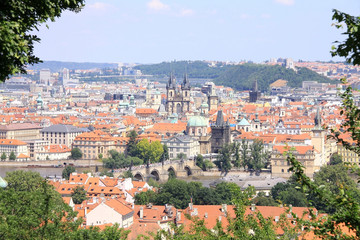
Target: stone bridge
(160, 172)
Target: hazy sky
(152, 31)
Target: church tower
(178, 99)
(220, 133)
(318, 134)
(255, 94)
(185, 89)
(170, 93)
(213, 99)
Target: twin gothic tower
(178, 98)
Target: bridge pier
(160, 172)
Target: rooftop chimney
(252, 207)
(141, 212)
(191, 206)
(178, 216)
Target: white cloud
(286, 2)
(157, 5)
(186, 12)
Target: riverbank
(76, 163)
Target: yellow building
(91, 144)
(347, 155)
(280, 166)
(20, 131)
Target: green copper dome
(197, 121)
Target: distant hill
(56, 66)
(194, 69)
(239, 77)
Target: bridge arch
(188, 170)
(155, 173)
(139, 176)
(171, 172)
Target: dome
(197, 121)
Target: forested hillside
(194, 69)
(239, 77)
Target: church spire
(172, 81)
(255, 86)
(220, 118)
(317, 119)
(186, 82)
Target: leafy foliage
(223, 161)
(350, 48)
(32, 209)
(243, 226)
(262, 200)
(180, 193)
(3, 156)
(118, 160)
(17, 22)
(149, 152)
(258, 157)
(43, 213)
(335, 159)
(12, 156)
(76, 153)
(131, 144)
(67, 171)
(239, 77)
(78, 194)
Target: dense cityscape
(94, 147)
(136, 130)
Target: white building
(19, 148)
(182, 144)
(111, 211)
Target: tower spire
(317, 119)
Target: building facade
(182, 144)
(220, 133)
(19, 148)
(60, 134)
(94, 143)
(20, 131)
(178, 99)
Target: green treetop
(18, 21)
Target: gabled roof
(119, 206)
(12, 142)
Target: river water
(53, 172)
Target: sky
(153, 31)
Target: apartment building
(91, 144)
(20, 131)
(19, 148)
(61, 134)
(182, 144)
(280, 166)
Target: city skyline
(152, 31)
